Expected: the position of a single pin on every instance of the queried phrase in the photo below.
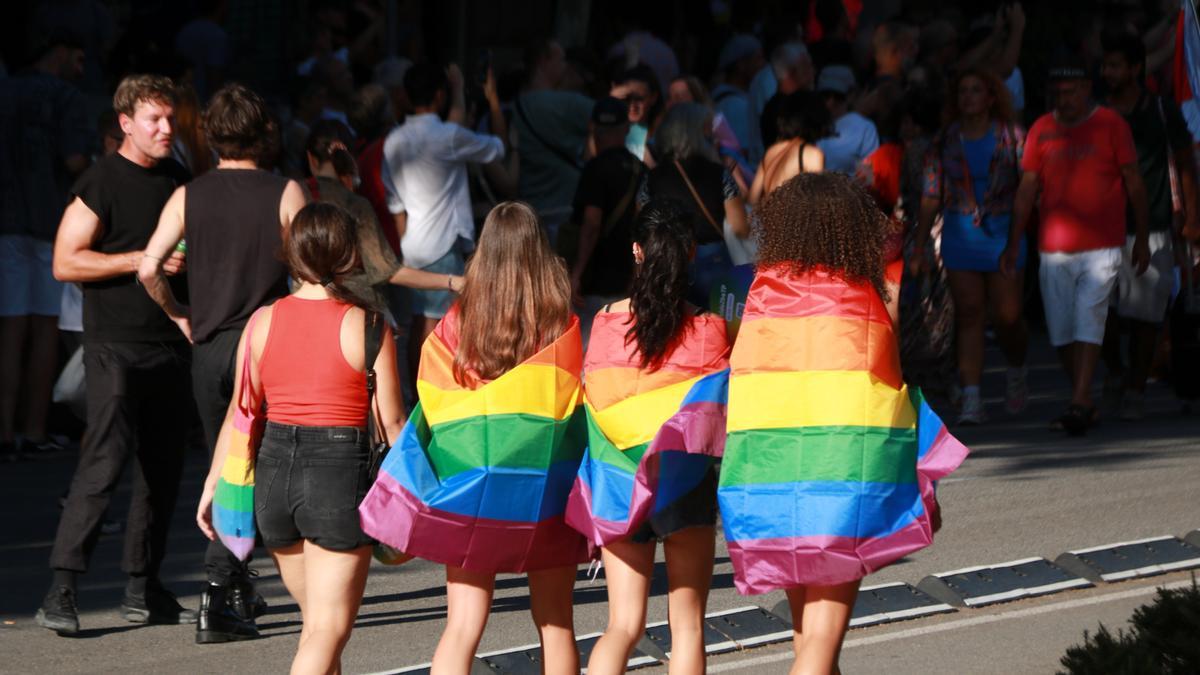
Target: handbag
(233, 502)
(379, 447)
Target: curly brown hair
(826, 221)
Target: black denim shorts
(308, 484)
(697, 508)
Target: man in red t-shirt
(1082, 161)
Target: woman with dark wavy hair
(655, 345)
(971, 178)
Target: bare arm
(160, 251)
(262, 327)
(458, 98)
(387, 389)
(400, 222)
(1022, 209)
(294, 198)
(735, 213)
(589, 235)
(1136, 191)
(430, 281)
(74, 259)
(756, 188)
(1185, 165)
(1011, 52)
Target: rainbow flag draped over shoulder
(233, 500)
(652, 435)
(479, 477)
(829, 461)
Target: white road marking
(957, 624)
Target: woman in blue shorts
(971, 175)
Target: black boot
(249, 603)
(220, 620)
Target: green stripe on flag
(841, 453)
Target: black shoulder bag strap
(557, 151)
(372, 338)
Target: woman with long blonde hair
(479, 478)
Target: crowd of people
(208, 248)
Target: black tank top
(234, 262)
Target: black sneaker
(58, 611)
(219, 620)
(158, 605)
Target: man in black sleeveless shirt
(136, 361)
(232, 219)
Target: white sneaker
(972, 411)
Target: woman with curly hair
(656, 366)
(971, 178)
(823, 480)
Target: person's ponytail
(657, 298)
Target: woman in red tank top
(307, 368)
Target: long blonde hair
(515, 299)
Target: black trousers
(213, 363)
(139, 407)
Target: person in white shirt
(425, 173)
(856, 135)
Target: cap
(836, 78)
(1067, 66)
(739, 47)
(610, 112)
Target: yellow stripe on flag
(815, 399)
(237, 471)
(637, 419)
(531, 389)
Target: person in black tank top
(233, 217)
(135, 359)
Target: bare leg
(826, 616)
(968, 290)
(551, 602)
(1066, 357)
(689, 576)
(468, 603)
(1004, 300)
(1086, 357)
(39, 373)
(334, 582)
(290, 561)
(1114, 360)
(13, 330)
(628, 567)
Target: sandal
(1077, 419)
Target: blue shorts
(975, 249)
(435, 304)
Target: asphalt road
(1025, 491)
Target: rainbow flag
(233, 500)
(479, 477)
(829, 460)
(652, 436)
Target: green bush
(1164, 638)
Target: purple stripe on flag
(400, 520)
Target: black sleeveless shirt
(234, 258)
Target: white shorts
(1145, 298)
(27, 283)
(1075, 292)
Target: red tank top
(305, 378)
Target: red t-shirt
(1079, 169)
(370, 172)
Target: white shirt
(425, 173)
(856, 138)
